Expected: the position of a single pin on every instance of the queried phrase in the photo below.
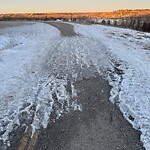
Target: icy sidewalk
(128, 51)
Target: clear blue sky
(8, 6)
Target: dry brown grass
(113, 14)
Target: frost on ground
(29, 91)
(38, 69)
(129, 53)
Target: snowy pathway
(39, 70)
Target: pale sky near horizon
(13, 6)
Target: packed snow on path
(25, 94)
(129, 52)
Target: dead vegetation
(133, 19)
(47, 16)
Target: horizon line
(73, 11)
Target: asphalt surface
(99, 126)
(65, 29)
(95, 128)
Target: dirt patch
(146, 36)
(123, 36)
(127, 34)
(147, 48)
(112, 33)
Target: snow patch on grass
(21, 57)
(131, 90)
